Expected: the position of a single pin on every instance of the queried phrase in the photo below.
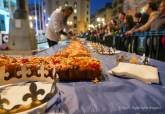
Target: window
(2, 23)
(75, 18)
(87, 19)
(6, 5)
(87, 12)
(75, 25)
(87, 5)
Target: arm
(64, 33)
(144, 27)
(147, 25)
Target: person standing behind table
(141, 21)
(137, 18)
(153, 14)
(122, 29)
(57, 25)
(159, 25)
(129, 24)
(122, 17)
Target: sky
(95, 4)
(98, 4)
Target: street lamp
(102, 20)
(35, 17)
(75, 10)
(44, 10)
(30, 18)
(91, 26)
(48, 18)
(98, 19)
(70, 23)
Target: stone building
(80, 19)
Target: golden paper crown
(28, 85)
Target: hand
(70, 35)
(129, 33)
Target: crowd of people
(153, 19)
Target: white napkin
(147, 74)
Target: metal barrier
(151, 40)
(151, 33)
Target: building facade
(37, 15)
(40, 11)
(105, 12)
(7, 8)
(80, 19)
(103, 15)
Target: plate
(111, 53)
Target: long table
(113, 96)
